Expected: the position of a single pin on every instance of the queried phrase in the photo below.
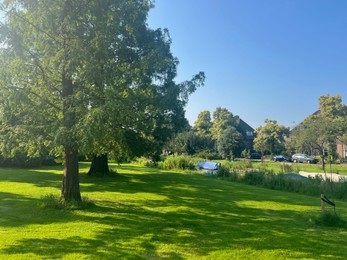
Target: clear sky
(262, 58)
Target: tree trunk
(99, 166)
(71, 187)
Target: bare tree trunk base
(71, 189)
(99, 166)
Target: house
(247, 131)
(341, 150)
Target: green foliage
(90, 76)
(208, 155)
(270, 138)
(229, 142)
(246, 153)
(144, 161)
(203, 123)
(323, 129)
(181, 162)
(222, 119)
(189, 142)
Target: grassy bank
(280, 167)
(146, 213)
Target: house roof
(245, 128)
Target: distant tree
(189, 142)
(270, 138)
(203, 123)
(229, 143)
(222, 119)
(331, 106)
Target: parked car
(303, 158)
(255, 156)
(281, 158)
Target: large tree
(86, 76)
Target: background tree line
(221, 136)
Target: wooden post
(322, 203)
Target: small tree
(270, 138)
(229, 143)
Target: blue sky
(262, 59)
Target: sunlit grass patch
(146, 213)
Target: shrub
(143, 161)
(181, 162)
(246, 153)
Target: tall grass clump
(180, 162)
(329, 219)
(57, 202)
(254, 178)
(238, 167)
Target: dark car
(303, 158)
(281, 158)
(255, 156)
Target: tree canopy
(271, 137)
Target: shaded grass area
(146, 213)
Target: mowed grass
(145, 213)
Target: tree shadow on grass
(137, 232)
(193, 216)
(42, 177)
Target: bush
(143, 161)
(181, 162)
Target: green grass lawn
(150, 214)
